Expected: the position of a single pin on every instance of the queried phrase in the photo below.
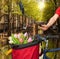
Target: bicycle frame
(46, 50)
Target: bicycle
(39, 39)
(46, 50)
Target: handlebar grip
(52, 37)
(40, 23)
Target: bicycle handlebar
(52, 37)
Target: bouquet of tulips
(20, 38)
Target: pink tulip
(25, 34)
(30, 39)
(19, 35)
(21, 40)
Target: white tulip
(19, 35)
(15, 35)
(10, 42)
(10, 38)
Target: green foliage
(12, 5)
(15, 40)
(16, 8)
(32, 9)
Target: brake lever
(40, 23)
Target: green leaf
(33, 9)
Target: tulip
(10, 42)
(19, 35)
(25, 34)
(10, 38)
(30, 39)
(15, 35)
(21, 40)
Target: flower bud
(30, 39)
